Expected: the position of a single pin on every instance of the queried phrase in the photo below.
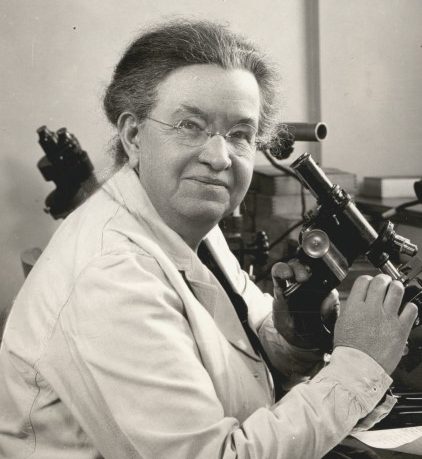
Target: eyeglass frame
(176, 126)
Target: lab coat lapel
(126, 187)
(212, 296)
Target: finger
(377, 289)
(331, 304)
(359, 289)
(393, 297)
(280, 304)
(301, 272)
(282, 271)
(409, 315)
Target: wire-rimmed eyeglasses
(241, 137)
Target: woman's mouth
(209, 181)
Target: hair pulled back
(153, 55)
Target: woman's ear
(128, 128)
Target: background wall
(57, 58)
(371, 85)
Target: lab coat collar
(126, 188)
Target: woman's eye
(190, 125)
(239, 135)
(242, 134)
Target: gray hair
(153, 55)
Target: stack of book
(278, 194)
(393, 186)
(271, 181)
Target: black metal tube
(307, 132)
(312, 176)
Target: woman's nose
(215, 153)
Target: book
(288, 206)
(392, 186)
(271, 181)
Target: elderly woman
(137, 335)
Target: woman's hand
(370, 320)
(294, 271)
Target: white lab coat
(108, 352)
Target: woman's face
(198, 185)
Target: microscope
(69, 167)
(333, 236)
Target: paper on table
(392, 438)
(414, 447)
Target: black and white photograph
(211, 238)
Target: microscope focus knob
(315, 243)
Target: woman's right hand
(370, 320)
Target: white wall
(371, 85)
(57, 57)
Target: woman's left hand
(294, 271)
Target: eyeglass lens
(240, 137)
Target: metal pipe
(308, 132)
